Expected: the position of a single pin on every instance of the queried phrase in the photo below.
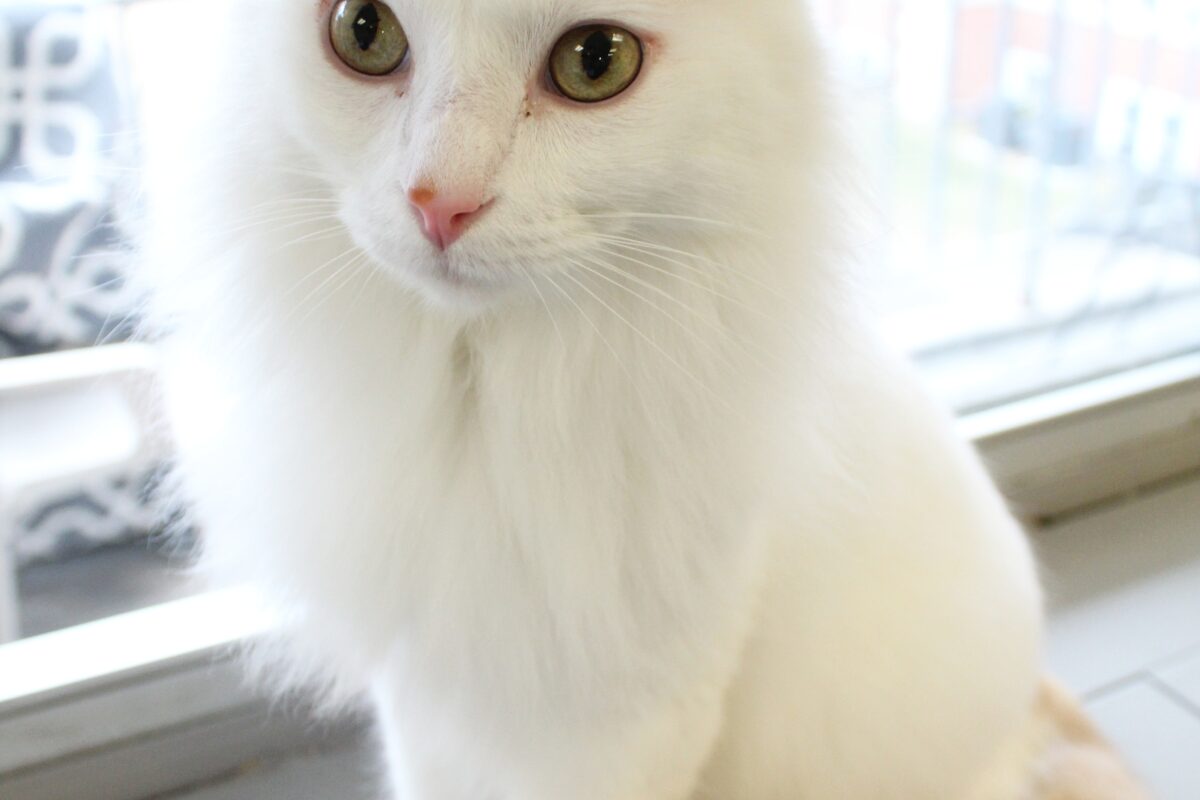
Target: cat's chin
(445, 288)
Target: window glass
(1038, 166)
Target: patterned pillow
(61, 261)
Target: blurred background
(1034, 225)
(1039, 174)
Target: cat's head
(474, 143)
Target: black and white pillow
(62, 265)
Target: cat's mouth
(459, 276)
(452, 272)
(449, 279)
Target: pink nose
(444, 217)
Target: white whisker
(654, 268)
(604, 340)
(669, 217)
(308, 276)
(533, 282)
(642, 335)
(725, 333)
(349, 265)
(679, 323)
(655, 249)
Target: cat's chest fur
(510, 491)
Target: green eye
(595, 62)
(368, 37)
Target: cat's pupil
(597, 54)
(366, 26)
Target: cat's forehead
(594, 8)
(521, 18)
(525, 12)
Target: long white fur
(621, 502)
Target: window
(1039, 216)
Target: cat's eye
(368, 37)
(595, 62)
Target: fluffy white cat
(509, 355)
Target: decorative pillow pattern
(61, 261)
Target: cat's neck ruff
(450, 432)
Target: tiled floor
(1125, 629)
(1124, 587)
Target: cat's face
(466, 166)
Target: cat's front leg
(416, 771)
(656, 754)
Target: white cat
(509, 355)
